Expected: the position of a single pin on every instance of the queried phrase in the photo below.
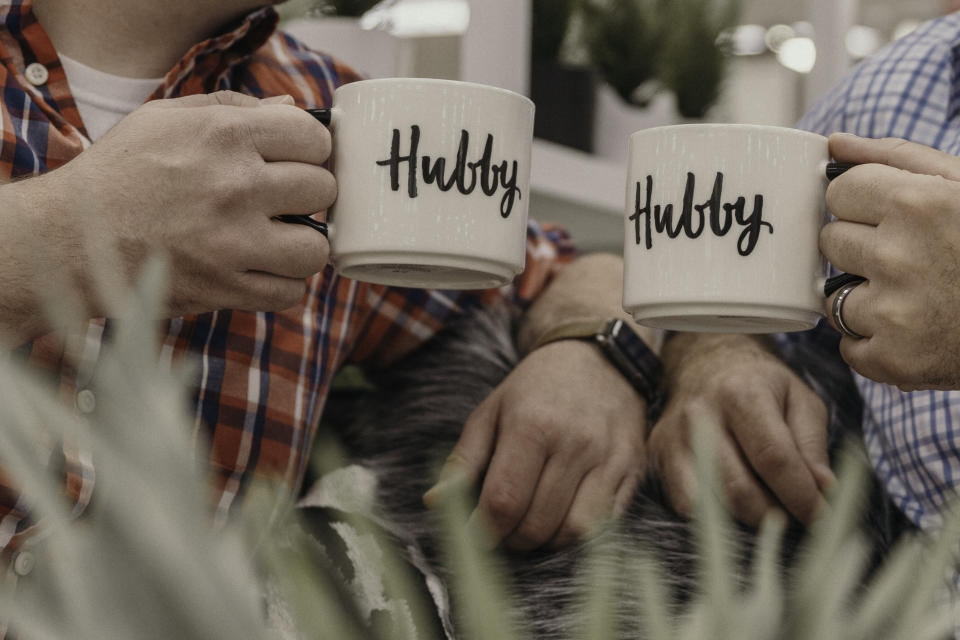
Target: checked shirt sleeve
(398, 320)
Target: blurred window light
(777, 35)
(863, 41)
(419, 18)
(748, 39)
(798, 54)
(905, 28)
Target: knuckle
(576, 528)
(771, 458)
(913, 202)
(585, 444)
(225, 194)
(533, 532)
(740, 397)
(890, 255)
(735, 384)
(223, 128)
(741, 497)
(537, 429)
(235, 186)
(501, 505)
(223, 96)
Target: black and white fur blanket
(397, 436)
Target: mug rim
(438, 81)
(704, 126)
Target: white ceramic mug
(433, 183)
(722, 227)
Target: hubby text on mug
(722, 223)
(432, 179)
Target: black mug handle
(837, 282)
(307, 221)
(837, 169)
(324, 116)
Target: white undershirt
(104, 99)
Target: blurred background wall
(600, 69)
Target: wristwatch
(623, 348)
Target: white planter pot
(373, 53)
(615, 120)
(378, 54)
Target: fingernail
(824, 476)
(842, 135)
(432, 497)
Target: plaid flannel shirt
(264, 377)
(911, 90)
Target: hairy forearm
(589, 288)
(39, 256)
(680, 350)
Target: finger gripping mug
(433, 180)
(722, 226)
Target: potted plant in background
(563, 92)
(697, 55)
(625, 40)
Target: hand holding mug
(202, 179)
(898, 226)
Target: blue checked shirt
(911, 90)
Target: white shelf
(583, 193)
(579, 177)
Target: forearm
(39, 256)
(679, 350)
(588, 288)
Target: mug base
(423, 271)
(724, 317)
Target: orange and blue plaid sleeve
(399, 320)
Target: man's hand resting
(558, 446)
(772, 446)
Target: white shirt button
(86, 401)
(23, 563)
(37, 74)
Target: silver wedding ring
(837, 310)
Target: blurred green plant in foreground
(146, 562)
